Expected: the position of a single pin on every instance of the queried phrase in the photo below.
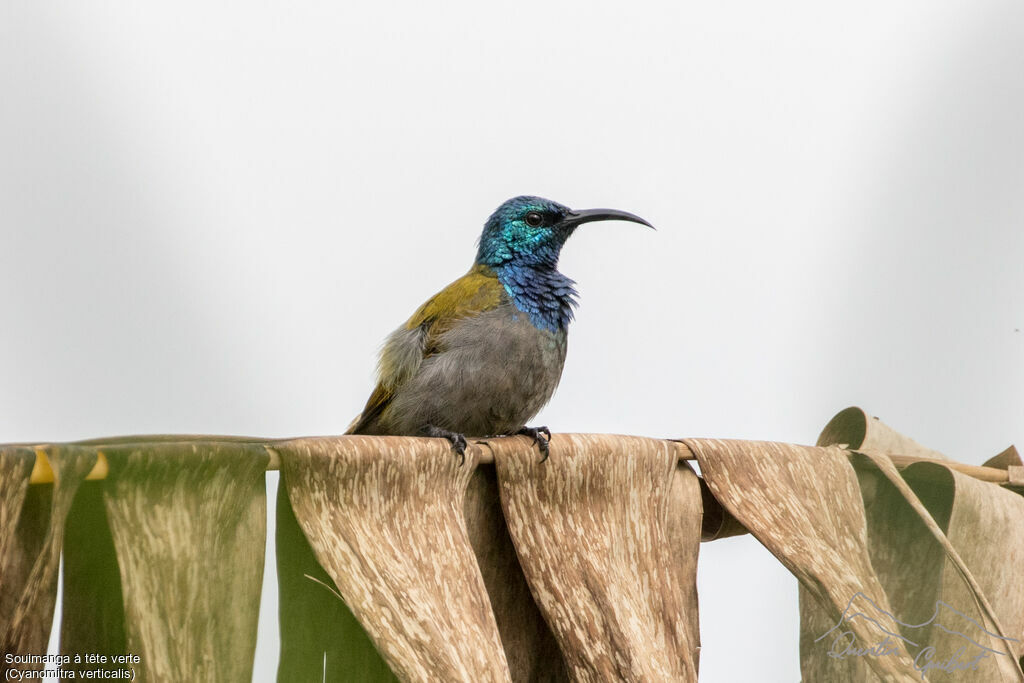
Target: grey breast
(492, 374)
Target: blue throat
(542, 293)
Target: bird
(485, 354)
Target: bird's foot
(457, 440)
(541, 438)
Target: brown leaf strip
(384, 517)
(887, 468)
(804, 505)
(605, 564)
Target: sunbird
(484, 355)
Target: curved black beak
(574, 218)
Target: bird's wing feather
(475, 292)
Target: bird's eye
(534, 219)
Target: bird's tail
(354, 424)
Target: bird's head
(530, 231)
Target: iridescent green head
(530, 231)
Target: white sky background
(212, 214)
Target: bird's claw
(458, 441)
(459, 446)
(541, 438)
